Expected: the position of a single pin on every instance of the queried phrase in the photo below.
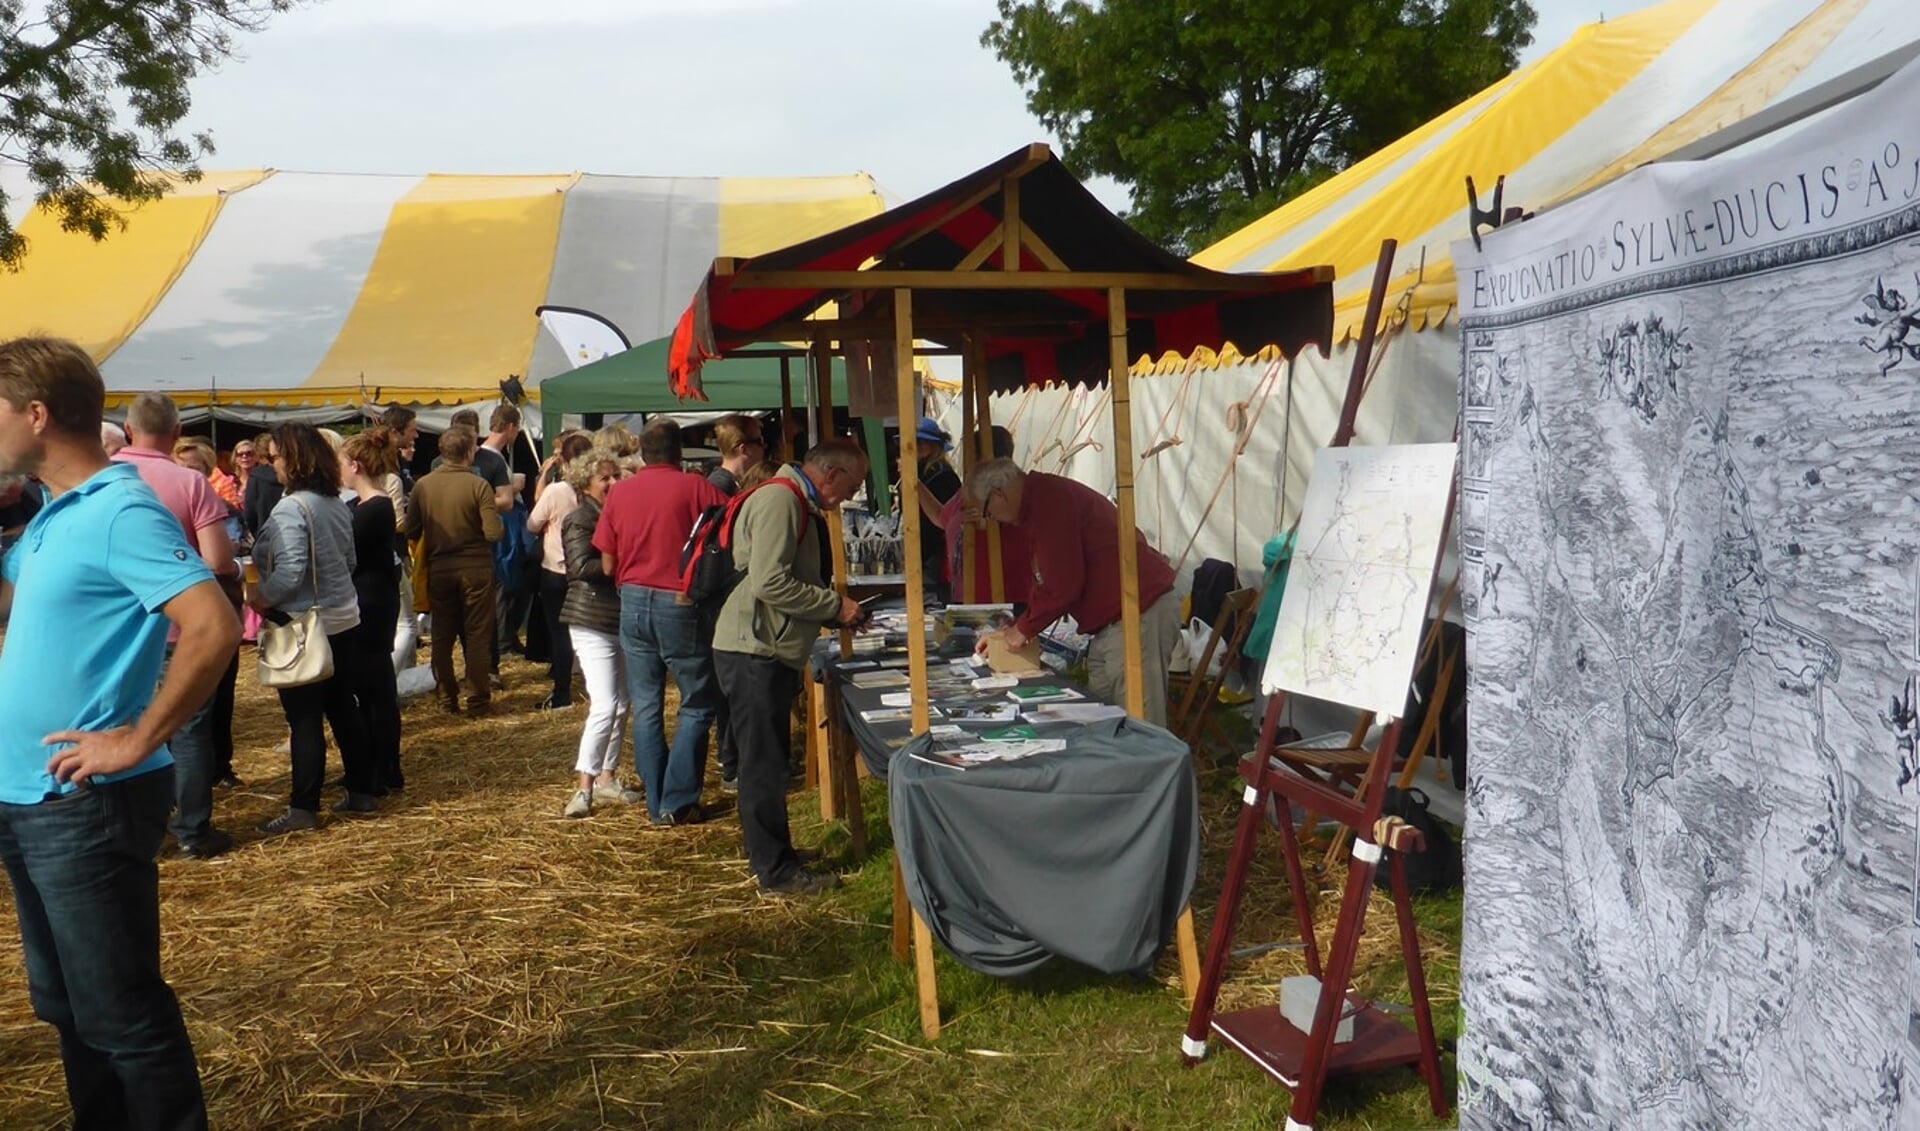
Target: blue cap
(931, 432)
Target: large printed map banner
(1690, 545)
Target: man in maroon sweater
(1074, 532)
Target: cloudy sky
(897, 88)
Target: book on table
(1043, 693)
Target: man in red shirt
(643, 527)
(1074, 533)
(961, 513)
(153, 427)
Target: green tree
(1215, 111)
(92, 93)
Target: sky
(900, 89)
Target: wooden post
(982, 392)
(1130, 610)
(1010, 224)
(970, 444)
(823, 384)
(923, 972)
(786, 408)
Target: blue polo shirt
(86, 641)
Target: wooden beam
(1031, 240)
(970, 444)
(982, 250)
(982, 393)
(892, 279)
(1010, 224)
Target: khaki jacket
(777, 610)
(452, 511)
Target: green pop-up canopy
(636, 381)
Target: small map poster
(1690, 538)
(1348, 630)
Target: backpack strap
(740, 501)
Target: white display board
(1348, 629)
(1690, 536)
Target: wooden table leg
(1189, 956)
(820, 758)
(900, 911)
(923, 978)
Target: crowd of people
(136, 566)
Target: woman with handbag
(591, 612)
(367, 461)
(304, 557)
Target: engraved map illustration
(1690, 536)
(1349, 622)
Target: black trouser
(553, 593)
(332, 699)
(760, 695)
(725, 752)
(377, 693)
(223, 721)
(509, 617)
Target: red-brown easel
(1303, 1061)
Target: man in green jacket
(762, 639)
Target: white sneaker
(617, 794)
(581, 805)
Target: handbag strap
(313, 555)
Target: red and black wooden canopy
(1043, 313)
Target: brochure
(1043, 693)
(1078, 714)
(884, 677)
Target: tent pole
(1363, 350)
(786, 408)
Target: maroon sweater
(1075, 535)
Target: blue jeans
(88, 896)
(194, 762)
(658, 634)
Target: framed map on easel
(1348, 628)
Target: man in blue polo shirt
(85, 778)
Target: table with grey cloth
(1088, 854)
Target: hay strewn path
(469, 958)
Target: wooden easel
(1303, 1061)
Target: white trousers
(604, 667)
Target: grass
(469, 959)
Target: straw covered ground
(468, 958)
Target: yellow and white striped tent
(1616, 95)
(281, 291)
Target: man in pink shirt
(153, 426)
(643, 527)
(1074, 533)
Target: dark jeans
(462, 600)
(333, 700)
(724, 750)
(88, 896)
(553, 592)
(510, 616)
(377, 693)
(659, 633)
(223, 721)
(760, 695)
(193, 773)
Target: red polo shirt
(646, 520)
(1074, 533)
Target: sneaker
(479, 710)
(801, 882)
(729, 784)
(552, 704)
(685, 815)
(580, 806)
(206, 847)
(227, 781)
(292, 821)
(617, 794)
(357, 803)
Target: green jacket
(778, 608)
